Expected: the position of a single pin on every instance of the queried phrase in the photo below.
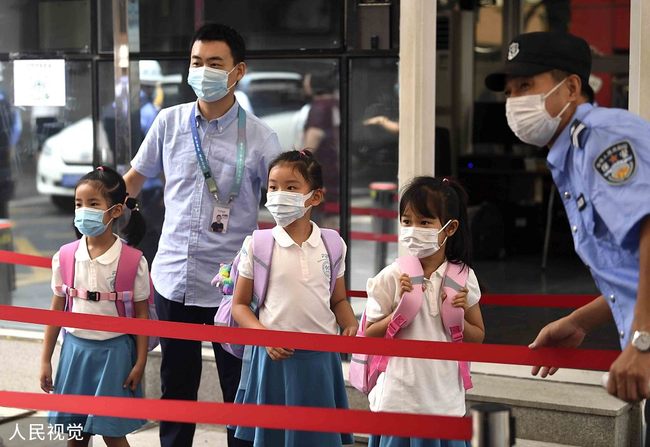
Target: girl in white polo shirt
(97, 363)
(434, 227)
(298, 299)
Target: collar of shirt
(438, 273)
(106, 258)
(221, 122)
(284, 240)
(560, 149)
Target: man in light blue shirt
(600, 162)
(237, 148)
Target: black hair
(444, 199)
(323, 82)
(585, 90)
(305, 163)
(217, 31)
(111, 185)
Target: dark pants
(180, 370)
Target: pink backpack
(127, 269)
(365, 369)
(264, 242)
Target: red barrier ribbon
(267, 416)
(529, 300)
(11, 257)
(366, 236)
(490, 353)
(534, 300)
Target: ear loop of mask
(550, 93)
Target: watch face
(641, 340)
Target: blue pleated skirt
(308, 378)
(96, 368)
(394, 441)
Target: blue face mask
(90, 222)
(209, 84)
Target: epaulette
(577, 133)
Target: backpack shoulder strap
(127, 270)
(455, 276)
(67, 266)
(453, 318)
(263, 243)
(410, 303)
(334, 246)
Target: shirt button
(622, 334)
(612, 298)
(574, 229)
(567, 195)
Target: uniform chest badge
(513, 50)
(617, 163)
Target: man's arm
(642, 308)
(570, 331)
(134, 181)
(629, 375)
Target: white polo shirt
(412, 385)
(98, 275)
(298, 295)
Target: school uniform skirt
(394, 441)
(96, 368)
(308, 379)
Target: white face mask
(421, 242)
(530, 121)
(287, 207)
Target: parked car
(276, 97)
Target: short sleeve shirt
(98, 275)
(601, 166)
(417, 385)
(298, 295)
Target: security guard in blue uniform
(600, 161)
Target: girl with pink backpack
(434, 229)
(99, 274)
(304, 264)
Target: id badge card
(220, 217)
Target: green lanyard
(203, 162)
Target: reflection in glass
(372, 157)
(269, 25)
(33, 25)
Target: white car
(65, 158)
(68, 155)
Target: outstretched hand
(562, 333)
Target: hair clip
(100, 168)
(445, 180)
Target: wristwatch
(641, 341)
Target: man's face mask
(209, 84)
(530, 121)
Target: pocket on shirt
(224, 174)
(179, 157)
(600, 240)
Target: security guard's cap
(534, 53)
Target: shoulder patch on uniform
(617, 163)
